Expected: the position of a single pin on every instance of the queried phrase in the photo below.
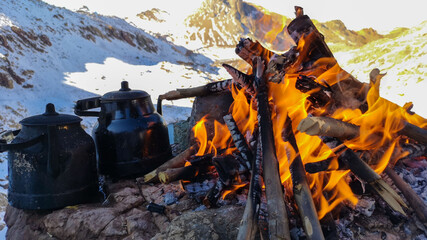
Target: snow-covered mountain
(48, 54)
(403, 55)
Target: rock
(219, 223)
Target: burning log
(241, 79)
(319, 94)
(412, 197)
(248, 226)
(173, 174)
(330, 127)
(239, 140)
(247, 50)
(414, 132)
(228, 167)
(323, 165)
(213, 195)
(367, 174)
(301, 190)
(302, 25)
(279, 62)
(207, 89)
(278, 223)
(177, 161)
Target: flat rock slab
(124, 216)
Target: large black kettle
(51, 162)
(131, 137)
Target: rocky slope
(223, 22)
(41, 46)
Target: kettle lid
(125, 93)
(50, 117)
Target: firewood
(414, 132)
(213, 195)
(375, 76)
(326, 126)
(239, 139)
(228, 167)
(347, 93)
(209, 88)
(278, 223)
(301, 190)
(248, 227)
(302, 25)
(364, 172)
(175, 162)
(276, 67)
(411, 196)
(212, 87)
(247, 50)
(320, 95)
(323, 165)
(173, 174)
(241, 78)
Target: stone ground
(124, 216)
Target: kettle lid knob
(50, 110)
(125, 86)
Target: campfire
(299, 132)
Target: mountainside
(403, 56)
(47, 55)
(223, 22)
(340, 38)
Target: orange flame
(379, 126)
(233, 189)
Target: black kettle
(51, 162)
(131, 137)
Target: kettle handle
(83, 105)
(159, 105)
(17, 146)
(52, 154)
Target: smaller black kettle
(131, 137)
(51, 162)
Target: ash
(373, 219)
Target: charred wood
(248, 226)
(239, 140)
(247, 50)
(324, 165)
(276, 67)
(302, 25)
(364, 172)
(207, 89)
(301, 190)
(228, 167)
(319, 95)
(241, 79)
(278, 223)
(213, 195)
(414, 132)
(411, 196)
(157, 208)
